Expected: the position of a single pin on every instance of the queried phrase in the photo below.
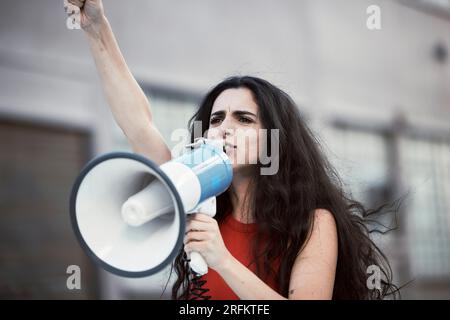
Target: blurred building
(378, 99)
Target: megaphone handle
(197, 263)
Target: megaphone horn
(129, 214)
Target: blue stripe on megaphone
(212, 167)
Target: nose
(224, 130)
(227, 133)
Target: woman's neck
(240, 194)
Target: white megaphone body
(129, 214)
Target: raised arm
(129, 105)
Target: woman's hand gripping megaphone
(203, 242)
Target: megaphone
(129, 214)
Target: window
(363, 159)
(360, 159)
(426, 166)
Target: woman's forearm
(129, 104)
(245, 284)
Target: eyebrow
(236, 112)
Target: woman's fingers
(88, 13)
(78, 3)
(73, 6)
(202, 217)
(69, 8)
(204, 237)
(197, 226)
(196, 236)
(198, 246)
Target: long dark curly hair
(283, 204)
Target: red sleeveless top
(238, 238)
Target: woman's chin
(243, 168)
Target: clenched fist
(91, 12)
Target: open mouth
(228, 145)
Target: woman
(292, 234)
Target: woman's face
(234, 118)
